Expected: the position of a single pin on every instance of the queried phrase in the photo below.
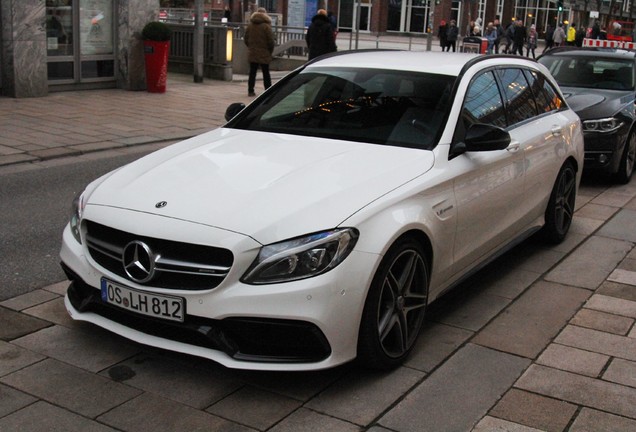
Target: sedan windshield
(589, 72)
(365, 105)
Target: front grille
(178, 265)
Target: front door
(80, 40)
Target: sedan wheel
(626, 167)
(395, 307)
(560, 211)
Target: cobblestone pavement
(543, 339)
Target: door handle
(557, 131)
(513, 147)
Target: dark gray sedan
(598, 84)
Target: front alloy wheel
(395, 307)
(560, 211)
(626, 166)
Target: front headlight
(605, 125)
(302, 257)
(77, 208)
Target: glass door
(80, 41)
(365, 14)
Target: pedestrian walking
(559, 36)
(596, 30)
(549, 38)
(452, 33)
(519, 38)
(319, 35)
(500, 33)
(491, 36)
(571, 38)
(580, 35)
(507, 38)
(531, 43)
(259, 39)
(441, 34)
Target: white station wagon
(316, 226)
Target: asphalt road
(35, 205)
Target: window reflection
(483, 102)
(59, 27)
(520, 101)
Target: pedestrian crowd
(513, 38)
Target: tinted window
(543, 99)
(520, 103)
(365, 105)
(553, 95)
(483, 102)
(591, 72)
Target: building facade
(55, 45)
(50, 45)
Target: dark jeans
(450, 44)
(267, 79)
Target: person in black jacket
(320, 37)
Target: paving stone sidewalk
(543, 339)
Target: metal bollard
(429, 41)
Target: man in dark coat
(320, 37)
(452, 33)
(519, 38)
(259, 39)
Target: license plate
(151, 304)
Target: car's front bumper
(303, 325)
(603, 151)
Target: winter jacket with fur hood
(259, 38)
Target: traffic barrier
(601, 43)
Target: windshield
(590, 72)
(365, 105)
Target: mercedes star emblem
(139, 261)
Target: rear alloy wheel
(560, 211)
(395, 307)
(626, 166)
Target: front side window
(376, 106)
(483, 103)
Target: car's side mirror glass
(233, 110)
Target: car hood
(267, 186)
(594, 103)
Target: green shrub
(156, 31)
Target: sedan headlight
(77, 209)
(301, 257)
(605, 125)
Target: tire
(395, 307)
(560, 210)
(626, 166)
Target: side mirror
(233, 110)
(485, 137)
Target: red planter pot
(156, 54)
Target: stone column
(23, 48)
(133, 15)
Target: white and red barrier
(599, 43)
